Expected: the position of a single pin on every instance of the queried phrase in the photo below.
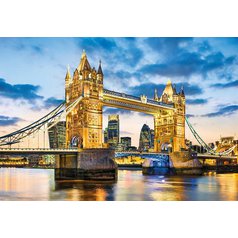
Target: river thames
(18, 184)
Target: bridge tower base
(89, 164)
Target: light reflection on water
(39, 184)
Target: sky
(32, 72)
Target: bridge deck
(129, 102)
(24, 151)
(207, 156)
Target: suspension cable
(203, 143)
(54, 116)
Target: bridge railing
(37, 149)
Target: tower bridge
(85, 97)
(84, 122)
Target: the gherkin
(145, 142)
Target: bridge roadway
(154, 155)
(145, 155)
(208, 156)
(40, 151)
(74, 151)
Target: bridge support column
(65, 166)
(88, 164)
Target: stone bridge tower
(170, 125)
(84, 122)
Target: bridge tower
(170, 125)
(84, 122)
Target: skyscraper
(145, 142)
(126, 142)
(57, 135)
(113, 130)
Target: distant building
(119, 147)
(113, 130)
(145, 142)
(57, 135)
(106, 135)
(199, 149)
(211, 145)
(227, 141)
(132, 148)
(34, 160)
(126, 142)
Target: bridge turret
(84, 64)
(156, 98)
(182, 91)
(174, 90)
(167, 95)
(67, 77)
(100, 73)
(68, 81)
(170, 125)
(84, 124)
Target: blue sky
(32, 72)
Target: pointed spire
(100, 68)
(174, 89)
(182, 91)
(156, 98)
(83, 54)
(168, 91)
(68, 76)
(84, 64)
(169, 82)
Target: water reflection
(85, 190)
(39, 184)
(25, 184)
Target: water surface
(38, 184)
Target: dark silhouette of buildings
(57, 135)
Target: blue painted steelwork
(160, 158)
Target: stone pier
(88, 164)
(181, 163)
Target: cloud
(27, 92)
(184, 64)
(168, 46)
(52, 102)
(9, 121)
(190, 115)
(113, 50)
(148, 89)
(226, 85)
(92, 44)
(19, 91)
(126, 133)
(196, 101)
(183, 57)
(187, 64)
(223, 111)
(26, 44)
(204, 47)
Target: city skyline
(33, 71)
